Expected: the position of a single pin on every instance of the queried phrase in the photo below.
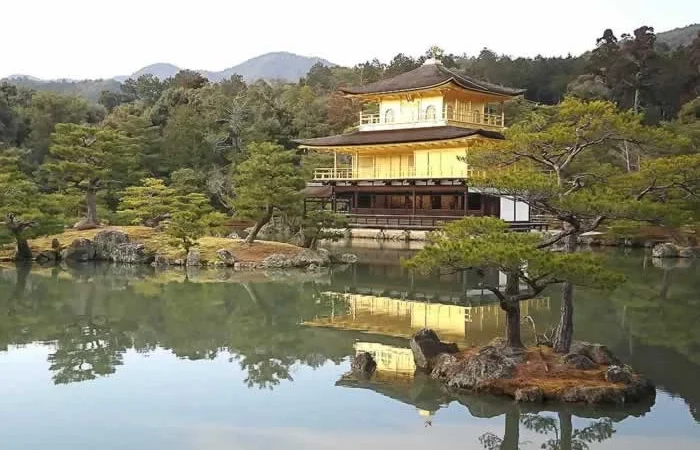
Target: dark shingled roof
(398, 136)
(317, 191)
(426, 76)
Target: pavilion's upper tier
(431, 75)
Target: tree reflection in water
(92, 314)
(559, 432)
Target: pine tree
(572, 162)
(90, 158)
(268, 181)
(25, 211)
(484, 242)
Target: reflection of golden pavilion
(389, 358)
(402, 318)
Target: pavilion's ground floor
(413, 206)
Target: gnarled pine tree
(484, 242)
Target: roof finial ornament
(434, 54)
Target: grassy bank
(162, 244)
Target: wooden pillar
(414, 200)
(356, 199)
(335, 164)
(334, 204)
(503, 115)
(466, 200)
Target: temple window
(389, 116)
(430, 112)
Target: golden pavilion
(407, 163)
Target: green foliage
(47, 110)
(147, 201)
(268, 180)
(90, 157)
(186, 227)
(484, 242)
(580, 163)
(26, 212)
(320, 225)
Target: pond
(107, 357)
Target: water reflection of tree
(564, 436)
(511, 435)
(86, 350)
(94, 316)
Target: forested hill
(667, 72)
(282, 66)
(270, 66)
(679, 37)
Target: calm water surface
(118, 357)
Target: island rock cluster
(589, 373)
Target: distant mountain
(160, 70)
(21, 76)
(88, 89)
(270, 66)
(679, 36)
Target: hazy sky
(101, 39)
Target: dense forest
(186, 138)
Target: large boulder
(665, 250)
(80, 250)
(83, 225)
(578, 361)
(426, 347)
(276, 261)
(194, 258)
(529, 395)
(106, 242)
(619, 374)
(475, 371)
(47, 256)
(306, 257)
(131, 253)
(593, 395)
(597, 353)
(272, 231)
(226, 257)
(363, 366)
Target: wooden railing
(442, 117)
(333, 173)
(423, 222)
(391, 173)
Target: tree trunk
(24, 253)
(567, 430)
(565, 329)
(91, 200)
(512, 309)
(511, 437)
(259, 224)
(22, 269)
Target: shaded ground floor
(414, 206)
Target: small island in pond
(588, 374)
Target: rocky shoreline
(116, 246)
(588, 374)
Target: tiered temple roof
(398, 136)
(429, 76)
